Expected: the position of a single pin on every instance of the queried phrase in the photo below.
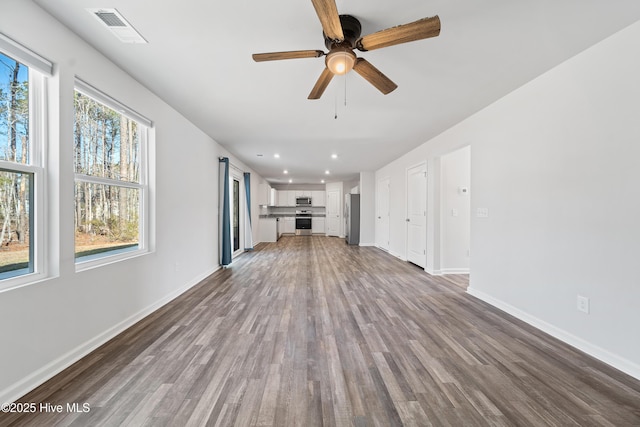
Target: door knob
(408, 220)
(379, 217)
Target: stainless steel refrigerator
(352, 218)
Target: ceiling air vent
(119, 26)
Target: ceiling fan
(342, 36)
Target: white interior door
(333, 213)
(382, 214)
(417, 215)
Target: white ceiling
(199, 60)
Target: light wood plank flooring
(309, 332)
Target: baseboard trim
(367, 244)
(445, 271)
(611, 359)
(455, 271)
(39, 377)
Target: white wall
(367, 208)
(455, 236)
(50, 324)
(556, 164)
(429, 153)
(348, 186)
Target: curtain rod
(231, 164)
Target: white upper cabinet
(272, 196)
(291, 198)
(318, 198)
(286, 198)
(264, 195)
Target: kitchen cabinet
(318, 225)
(272, 196)
(268, 230)
(264, 195)
(281, 198)
(286, 198)
(317, 198)
(288, 224)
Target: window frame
(144, 127)
(40, 69)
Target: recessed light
(334, 156)
(322, 181)
(285, 171)
(277, 156)
(327, 172)
(290, 181)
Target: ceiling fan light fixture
(340, 60)
(341, 35)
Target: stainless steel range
(303, 223)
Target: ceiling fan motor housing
(351, 29)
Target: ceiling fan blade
(421, 29)
(294, 54)
(328, 13)
(374, 76)
(321, 84)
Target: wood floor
(309, 332)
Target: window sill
(16, 282)
(98, 260)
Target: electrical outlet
(583, 304)
(482, 213)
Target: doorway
(417, 215)
(238, 206)
(236, 215)
(333, 212)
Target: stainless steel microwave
(303, 201)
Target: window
(22, 86)
(110, 149)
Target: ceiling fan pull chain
(345, 91)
